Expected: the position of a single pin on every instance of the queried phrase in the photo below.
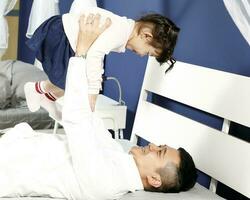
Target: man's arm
(105, 43)
(86, 31)
(85, 132)
(76, 106)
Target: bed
(219, 93)
(222, 156)
(13, 108)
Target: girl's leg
(49, 87)
(43, 94)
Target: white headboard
(223, 157)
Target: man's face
(152, 157)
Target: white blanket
(37, 162)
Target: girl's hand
(92, 101)
(89, 30)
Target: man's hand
(89, 30)
(92, 101)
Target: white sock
(36, 97)
(42, 88)
(32, 96)
(50, 106)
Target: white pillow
(24, 72)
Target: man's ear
(146, 34)
(154, 180)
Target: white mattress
(29, 198)
(197, 193)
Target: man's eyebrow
(164, 151)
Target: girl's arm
(88, 32)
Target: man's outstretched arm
(85, 132)
(76, 104)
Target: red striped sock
(39, 88)
(50, 96)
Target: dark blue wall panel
(64, 5)
(23, 52)
(209, 37)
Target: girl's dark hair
(165, 34)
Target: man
(86, 163)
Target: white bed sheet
(197, 193)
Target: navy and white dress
(52, 49)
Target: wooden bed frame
(223, 157)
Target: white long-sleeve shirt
(78, 5)
(85, 164)
(106, 174)
(114, 39)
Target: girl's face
(140, 44)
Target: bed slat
(223, 94)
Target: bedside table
(112, 113)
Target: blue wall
(208, 38)
(23, 52)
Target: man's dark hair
(165, 34)
(187, 173)
(177, 178)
